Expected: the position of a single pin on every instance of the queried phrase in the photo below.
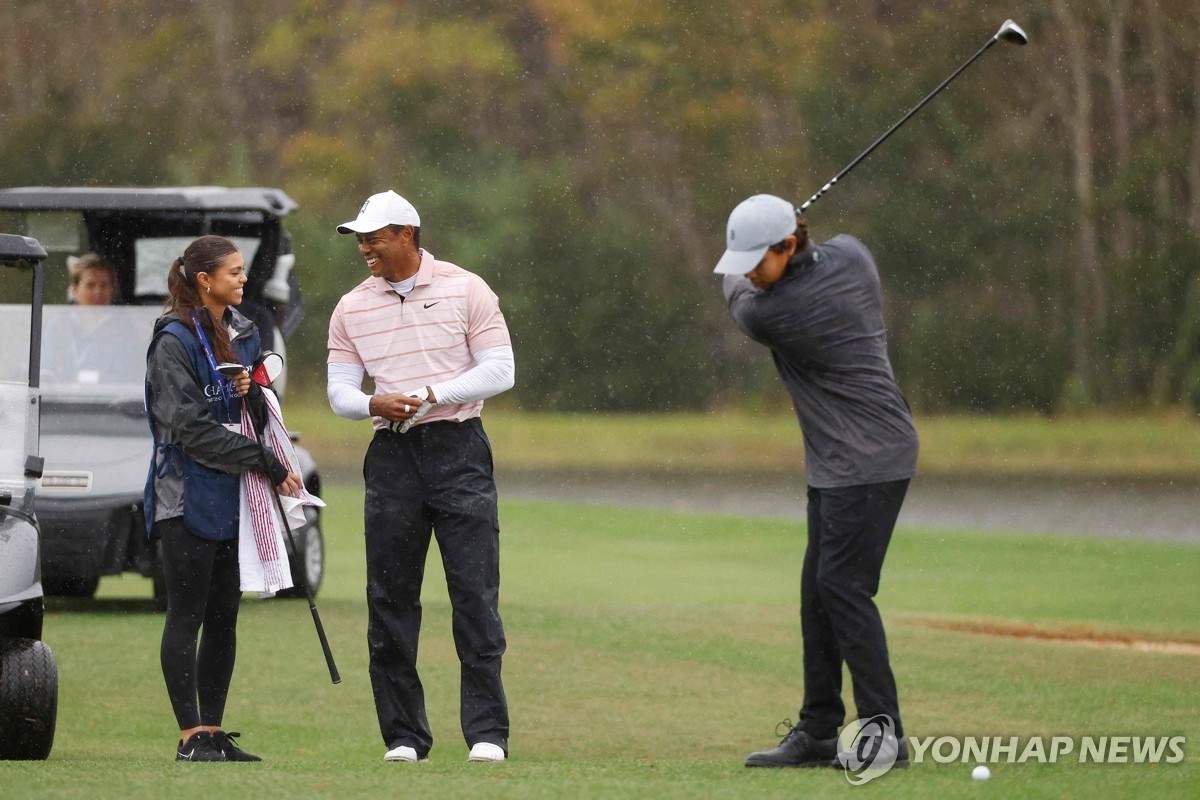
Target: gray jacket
(823, 322)
(181, 413)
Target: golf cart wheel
(309, 564)
(28, 699)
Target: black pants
(849, 529)
(203, 590)
(436, 479)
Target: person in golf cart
(77, 346)
(93, 280)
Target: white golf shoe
(402, 753)
(486, 751)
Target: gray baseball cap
(756, 224)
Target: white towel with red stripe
(262, 553)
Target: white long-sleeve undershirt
(494, 372)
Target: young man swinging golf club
(818, 307)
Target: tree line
(1036, 226)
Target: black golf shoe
(225, 741)
(200, 746)
(797, 749)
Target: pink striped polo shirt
(428, 337)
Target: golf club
(261, 371)
(1009, 32)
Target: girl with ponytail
(192, 498)
(203, 257)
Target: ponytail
(183, 289)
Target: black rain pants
(849, 529)
(436, 479)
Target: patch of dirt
(1083, 636)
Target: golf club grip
(891, 130)
(333, 670)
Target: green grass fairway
(649, 652)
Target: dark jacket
(187, 414)
(824, 324)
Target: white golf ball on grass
(981, 773)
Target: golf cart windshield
(17, 403)
(95, 350)
(19, 410)
(15, 409)
(93, 363)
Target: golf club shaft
(312, 604)
(893, 129)
(334, 676)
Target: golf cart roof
(14, 249)
(273, 202)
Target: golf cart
(95, 438)
(28, 673)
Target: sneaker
(200, 747)
(486, 751)
(403, 753)
(797, 749)
(225, 741)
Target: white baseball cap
(381, 210)
(756, 224)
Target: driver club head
(269, 367)
(1011, 32)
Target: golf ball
(981, 773)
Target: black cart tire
(28, 699)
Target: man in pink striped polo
(432, 338)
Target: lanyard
(227, 390)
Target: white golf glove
(421, 394)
